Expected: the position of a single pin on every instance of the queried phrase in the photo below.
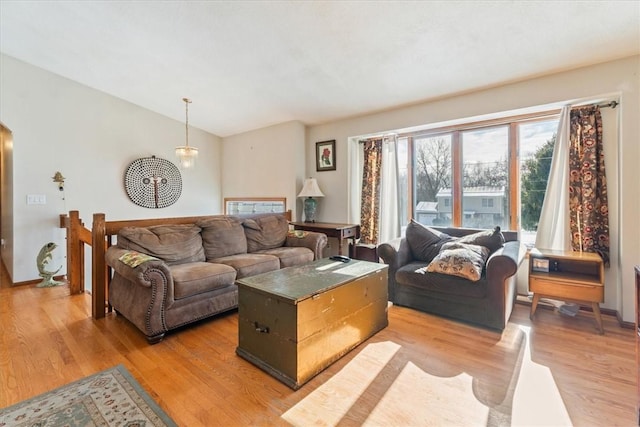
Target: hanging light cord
(187, 101)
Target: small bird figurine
(44, 256)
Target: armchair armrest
(504, 262)
(309, 239)
(502, 267)
(394, 253)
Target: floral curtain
(370, 203)
(588, 207)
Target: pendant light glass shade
(186, 154)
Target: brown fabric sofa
(168, 276)
(487, 302)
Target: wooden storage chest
(294, 322)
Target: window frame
(457, 161)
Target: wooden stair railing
(77, 236)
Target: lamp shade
(310, 189)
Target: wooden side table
(339, 231)
(568, 276)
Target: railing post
(75, 254)
(99, 271)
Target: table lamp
(310, 190)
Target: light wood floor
(48, 339)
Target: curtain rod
(612, 104)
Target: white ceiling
(251, 64)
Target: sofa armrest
(139, 274)
(308, 239)
(141, 293)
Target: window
(487, 203)
(537, 140)
(485, 154)
(471, 175)
(432, 173)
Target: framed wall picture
(326, 156)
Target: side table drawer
(570, 291)
(349, 233)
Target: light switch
(36, 199)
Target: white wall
(91, 137)
(268, 162)
(619, 77)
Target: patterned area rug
(109, 398)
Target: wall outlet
(36, 199)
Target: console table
(339, 231)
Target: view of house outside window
(427, 161)
(485, 172)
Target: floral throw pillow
(460, 259)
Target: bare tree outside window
(432, 173)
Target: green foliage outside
(534, 177)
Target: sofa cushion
(290, 256)
(460, 259)
(250, 264)
(265, 232)
(198, 277)
(174, 244)
(415, 276)
(425, 242)
(492, 239)
(222, 237)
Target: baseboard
(524, 300)
(61, 278)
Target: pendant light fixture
(185, 153)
